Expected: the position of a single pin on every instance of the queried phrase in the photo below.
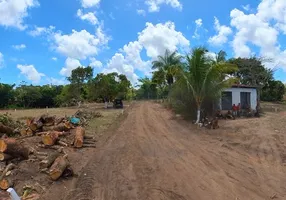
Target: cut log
(58, 167)
(49, 160)
(59, 127)
(14, 148)
(36, 124)
(29, 132)
(6, 129)
(23, 132)
(4, 157)
(78, 138)
(6, 183)
(48, 120)
(50, 138)
(8, 168)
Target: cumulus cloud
(95, 63)
(1, 60)
(154, 5)
(141, 12)
(154, 39)
(38, 31)
(157, 38)
(30, 73)
(13, 12)
(222, 34)
(70, 64)
(19, 47)
(80, 45)
(89, 3)
(55, 81)
(199, 23)
(90, 17)
(262, 30)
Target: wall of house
(236, 95)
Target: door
(245, 100)
(226, 101)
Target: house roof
(242, 86)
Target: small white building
(243, 94)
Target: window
(245, 100)
(226, 101)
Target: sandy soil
(154, 156)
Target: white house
(243, 94)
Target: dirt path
(152, 156)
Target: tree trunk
(12, 147)
(58, 168)
(6, 129)
(59, 127)
(4, 157)
(49, 161)
(79, 136)
(198, 115)
(50, 138)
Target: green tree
(205, 78)
(170, 65)
(6, 94)
(27, 96)
(78, 78)
(273, 91)
(147, 90)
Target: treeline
(82, 87)
(194, 82)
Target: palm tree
(205, 78)
(170, 64)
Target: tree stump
(79, 136)
(58, 167)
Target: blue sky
(42, 41)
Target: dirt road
(153, 156)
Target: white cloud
(118, 64)
(13, 12)
(262, 30)
(157, 38)
(55, 81)
(90, 17)
(199, 23)
(141, 12)
(70, 65)
(154, 5)
(1, 60)
(246, 7)
(222, 34)
(19, 47)
(154, 39)
(30, 73)
(80, 45)
(89, 3)
(41, 31)
(54, 58)
(95, 63)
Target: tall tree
(205, 78)
(6, 94)
(170, 64)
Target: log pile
(54, 134)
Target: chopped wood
(89, 145)
(6, 129)
(6, 183)
(23, 132)
(8, 168)
(4, 157)
(78, 138)
(14, 148)
(50, 138)
(60, 127)
(62, 143)
(89, 142)
(58, 167)
(29, 132)
(49, 160)
(48, 120)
